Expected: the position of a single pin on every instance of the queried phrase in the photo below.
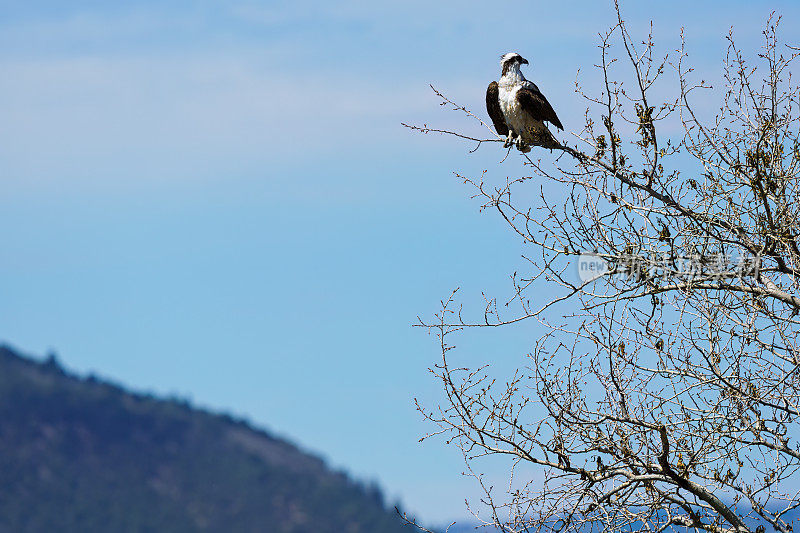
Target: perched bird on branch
(518, 109)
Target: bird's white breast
(517, 119)
(515, 116)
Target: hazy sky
(217, 200)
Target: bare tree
(666, 391)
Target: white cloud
(167, 109)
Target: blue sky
(217, 200)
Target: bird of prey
(518, 109)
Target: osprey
(518, 109)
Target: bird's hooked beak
(523, 61)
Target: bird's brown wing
(534, 102)
(493, 107)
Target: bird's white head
(511, 61)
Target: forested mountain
(83, 455)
